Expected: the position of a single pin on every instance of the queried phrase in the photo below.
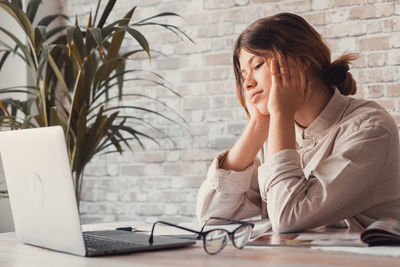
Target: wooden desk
(15, 254)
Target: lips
(253, 95)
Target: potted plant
(78, 74)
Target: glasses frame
(202, 234)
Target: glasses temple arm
(229, 220)
(170, 224)
(223, 219)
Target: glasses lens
(242, 236)
(215, 241)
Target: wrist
(282, 133)
(259, 121)
(283, 117)
(259, 125)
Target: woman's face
(257, 79)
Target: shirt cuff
(229, 181)
(280, 166)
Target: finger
(248, 100)
(283, 68)
(246, 97)
(276, 79)
(298, 73)
(294, 71)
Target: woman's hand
(289, 92)
(258, 121)
(289, 89)
(255, 114)
(250, 142)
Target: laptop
(43, 204)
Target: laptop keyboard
(96, 242)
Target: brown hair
(293, 36)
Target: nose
(249, 82)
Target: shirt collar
(328, 117)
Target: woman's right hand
(255, 115)
(250, 142)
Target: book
(316, 237)
(384, 232)
(260, 227)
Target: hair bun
(338, 73)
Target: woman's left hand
(289, 89)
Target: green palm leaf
(106, 13)
(169, 27)
(20, 17)
(139, 37)
(55, 31)
(7, 51)
(116, 42)
(18, 3)
(104, 71)
(23, 48)
(59, 76)
(45, 21)
(32, 9)
(97, 37)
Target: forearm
(281, 134)
(229, 194)
(235, 205)
(246, 148)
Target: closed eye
(258, 66)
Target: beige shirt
(346, 168)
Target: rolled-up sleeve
(340, 185)
(227, 193)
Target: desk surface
(15, 254)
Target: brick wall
(162, 181)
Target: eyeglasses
(215, 240)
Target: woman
(324, 158)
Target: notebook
(43, 204)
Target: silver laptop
(38, 176)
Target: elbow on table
(201, 213)
(201, 218)
(281, 228)
(282, 223)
